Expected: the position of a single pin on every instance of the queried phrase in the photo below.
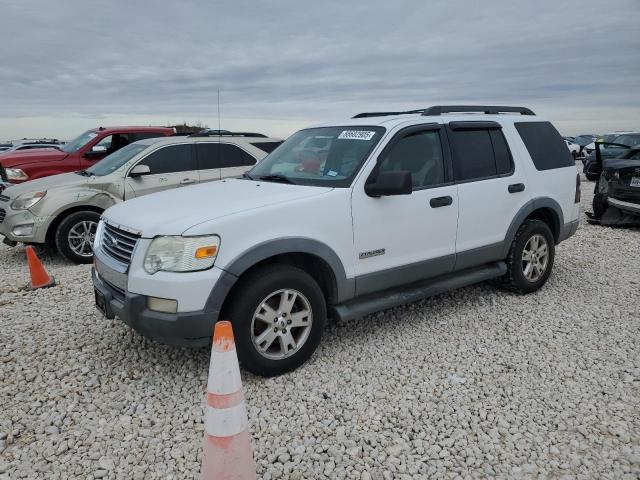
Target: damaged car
(616, 200)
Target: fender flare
(525, 211)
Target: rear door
(170, 166)
(491, 190)
(208, 155)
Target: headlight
(181, 254)
(27, 200)
(16, 174)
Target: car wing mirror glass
(389, 183)
(139, 170)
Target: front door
(405, 238)
(170, 166)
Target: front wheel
(278, 314)
(530, 258)
(75, 234)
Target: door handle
(440, 201)
(516, 187)
(187, 181)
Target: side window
(105, 142)
(545, 145)
(420, 153)
(207, 155)
(473, 156)
(174, 158)
(114, 142)
(267, 147)
(134, 137)
(233, 156)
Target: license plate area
(102, 305)
(635, 182)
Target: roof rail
(486, 109)
(385, 114)
(226, 133)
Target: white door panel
(147, 184)
(405, 226)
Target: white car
(399, 207)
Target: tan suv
(63, 210)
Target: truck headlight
(181, 254)
(27, 200)
(16, 174)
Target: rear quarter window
(545, 145)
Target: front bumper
(192, 329)
(627, 207)
(10, 219)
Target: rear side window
(545, 145)
(479, 153)
(232, 156)
(222, 155)
(267, 147)
(174, 158)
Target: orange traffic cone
(227, 444)
(39, 276)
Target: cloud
(303, 61)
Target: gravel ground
(474, 383)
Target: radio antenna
(219, 121)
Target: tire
(599, 205)
(592, 177)
(269, 285)
(516, 279)
(69, 227)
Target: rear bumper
(187, 328)
(568, 230)
(627, 207)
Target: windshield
(78, 142)
(116, 160)
(326, 156)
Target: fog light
(23, 230)
(162, 305)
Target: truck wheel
(74, 236)
(278, 314)
(530, 258)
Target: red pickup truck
(78, 154)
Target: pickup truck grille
(118, 243)
(3, 213)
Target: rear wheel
(278, 314)
(599, 205)
(530, 259)
(75, 234)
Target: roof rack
(486, 109)
(385, 114)
(226, 133)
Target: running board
(359, 307)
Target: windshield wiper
(276, 177)
(84, 173)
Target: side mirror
(139, 170)
(389, 183)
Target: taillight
(578, 190)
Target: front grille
(3, 213)
(118, 243)
(3, 198)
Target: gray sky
(66, 65)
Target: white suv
(380, 210)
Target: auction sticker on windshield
(635, 182)
(356, 135)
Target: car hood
(16, 159)
(174, 211)
(619, 164)
(48, 183)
